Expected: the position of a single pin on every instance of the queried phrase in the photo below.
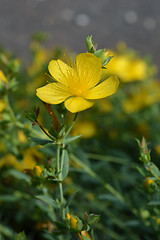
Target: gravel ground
(68, 22)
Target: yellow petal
(53, 93)
(60, 71)
(89, 69)
(77, 104)
(104, 89)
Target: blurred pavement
(68, 22)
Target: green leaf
(71, 198)
(6, 231)
(154, 203)
(9, 198)
(31, 116)
(41, 141)
(12, 84)
(48, 200)
(142, 171)
(93, 219)
(65, 168)
(53, 132)
(71, 139)
(21, 236)
(19, 175)
(79, 224)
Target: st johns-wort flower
(78, 84)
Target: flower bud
(73, 221)
(85, 234)
(38, 170)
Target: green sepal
(90, 44)
(153, 169)
(107, 60)
(50, 175)
(93, 219)
(100, 54)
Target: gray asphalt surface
(68, 22)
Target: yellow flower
(30, 157)
(38, 170)
(10, 160)
(146, 95)
(147, 182)
(73, 221)
(21, 136)
(157, 149)
(126, 68)
(2, 105)
(77, 85)
(86, 128)
(3, 77)
(83, 233)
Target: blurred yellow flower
(86, 128)
(105, 106)
(21, 136)
(30, 157)
(126, 68)
(157, 149)
(146, 95)
(10, 160)
(3, 77)
(142, 129)
(41, 56)
(73, 221)
(77, 85)
(147, 182)
(29, 161)
(2, 105)
(38, 170)
(84, 233)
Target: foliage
(105, 197)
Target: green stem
(59, 171)
(11, 112)
(62, 163)
(69, 129)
